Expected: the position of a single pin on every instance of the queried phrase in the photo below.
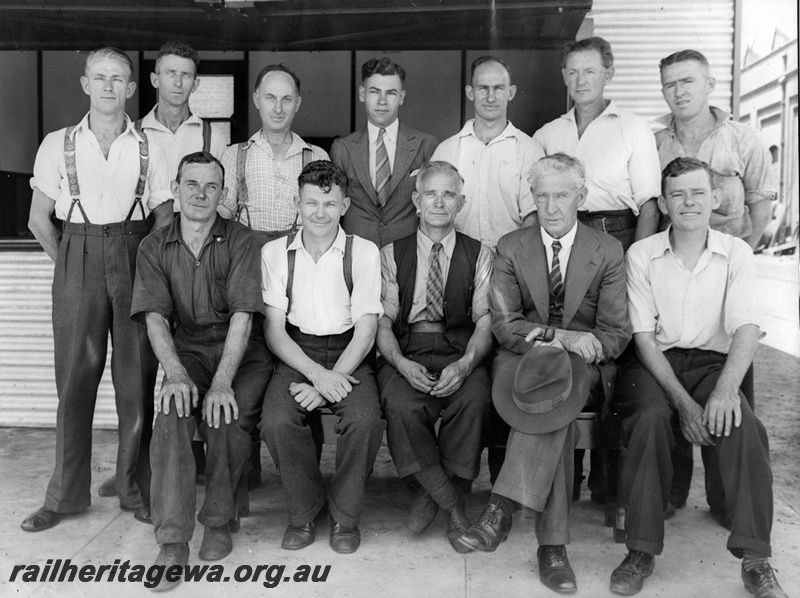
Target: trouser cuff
(304, 518)
(413, 467)
(452, 468)
(340, 518)
(737, 544)
(553, 538)
(652, 548)
(520, 495)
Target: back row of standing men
(100, 189)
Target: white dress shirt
(321, 304)
(107, 185)
(567, 241)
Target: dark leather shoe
(42, 519)
(344, 540)
(723, 517)
(299, 536)
(761, 582)
(671, 509)
(628, 578)
(217, 543)
(422, 513)
(108, 488)
(489, 531)
(171, 554)
(139, 513)
(456, 525)
(554, 569)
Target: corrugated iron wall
(27, 380)
(642, 32)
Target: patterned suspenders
(70, 160)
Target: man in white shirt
(170, 122)
(102, 178)
(493, 156)
(693, 308)
(261, 173)
(616, 147)
(322, 290)
(380, 158)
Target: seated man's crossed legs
(445, 466)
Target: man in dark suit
(558, 283)
(380, 158)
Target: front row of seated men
(557, 305)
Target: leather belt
(425, 326)
(609, 220)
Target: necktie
(383, 171)
(434, 294)
(556, 288)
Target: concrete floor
(390, 561)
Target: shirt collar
(338, 242)
(84, 124)
(668, 120)
(151, 122)
(390, 131)
(298, 145)
(714, 243)
(469, 131)
(173, 234)
(566, 241)
(611, 110)
(448, 243)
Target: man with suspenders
(178, 131)
(170, 122)
(322, 292)
(103, 178)
(261, 173)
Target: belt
(609, 220)
(111, 229)
(425, 326)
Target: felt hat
(540, 391)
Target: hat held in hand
(542, 390)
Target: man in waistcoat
(433, 339)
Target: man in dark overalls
(198, 291)
(103, 178)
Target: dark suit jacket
(595, 298)
(398, 218)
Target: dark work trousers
(174, 492)
(92, 290)
(411, 415)
(284, 427)
(650, 423)
(683, 461)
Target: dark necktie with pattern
(556, 287)
(383, 171)
(434, 294)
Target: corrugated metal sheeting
(27, 380)
(642, 32)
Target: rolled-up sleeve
(231, 178)
(741, 297)
(532, 152)
(274, 272)
(48, 169)
(366, 297)
(244, 277)
(481, 283)
(150, 288)
(390, 290)
(644, 167)
(641, 303)
(758, 181)
(158, 179)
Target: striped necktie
(434, 293)
(556, 287)
(383, 171)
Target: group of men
(495, 273)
